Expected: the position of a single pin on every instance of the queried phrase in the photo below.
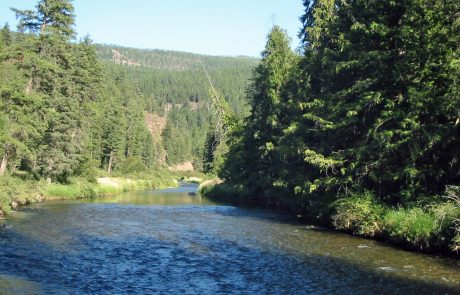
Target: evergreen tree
(262, 127)
(372, 105)
(113, 135)
(223, 122)
(372, 63)
(6, 35)
(50, 17)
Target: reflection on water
(184, 195)
(15, 285)
(169, 241)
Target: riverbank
(15, 192)
(431, 228)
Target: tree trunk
(50, 169)
(109, 169)
(42, 28)
(3, 164)
(29, 85)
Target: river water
(171, 242)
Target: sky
(216, 27)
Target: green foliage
(62, 109)
(75, 190)
(50, 17)
(177, 139)
(177, 78)
(252, 154)
(359, 214)
(88, 170)
(175, 86)
(215, 188)
(79, 188)
(453, 194)
(132, 164)
(414, 226)
(14, 192)
(223, 123)
(370, 107)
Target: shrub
(133, 164)
(88, 170)
(208, 187)
(453, 194)
(359, 214)
(14, 191)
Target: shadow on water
(143, 265)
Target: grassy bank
(15, 191)
(190, 176)
(433, 227)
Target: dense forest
(69, 107)
(175, 86)
(362, 129)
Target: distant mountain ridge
(170, 60)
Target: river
(172, 242)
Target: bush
(359, 214)
(14, 191)
(207, 187)
(88, 170)
(453, 194)
(133, 164)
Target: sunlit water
(170, 242)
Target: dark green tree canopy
(50, 16)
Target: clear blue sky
(217, 27)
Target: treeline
(62, 113)
(172, 60)
(361, 130)
(175, 85)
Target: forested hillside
(175, 86)
(71, 106)
(63, 111)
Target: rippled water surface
(171, 242)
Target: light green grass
(414, 226)
(15, 191)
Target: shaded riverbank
(428, 229)
(169, 241)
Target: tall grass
(430, 228)
(413, 226)
(15, 191)
(453, 194)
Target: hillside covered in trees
(362, 130)
(175, 88)
(68, 106)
